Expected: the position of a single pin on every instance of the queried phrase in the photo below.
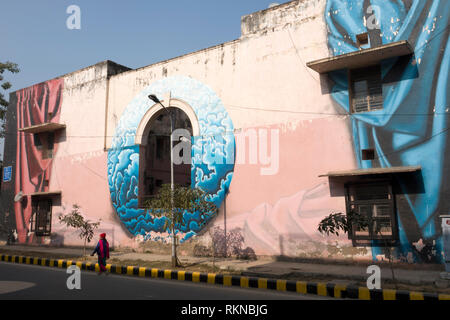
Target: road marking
(130, 270)
(262, 283)
(244, 282)
(14, 286)
(196, 277)
(281, 285)
(322, 289)
(301, 287)
(389, 294)
(211, 278)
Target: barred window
(375, 202)
(366, 90)
(41, 217)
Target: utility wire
(418, 143)
(432, 114)
(376, 158)
(251, 108)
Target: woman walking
(102, 250)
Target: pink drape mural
(35, 105)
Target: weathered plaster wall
(79, 166)
(412, 128)
(258, 87)
(265, 86)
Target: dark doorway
(154, 167)
(41, 217)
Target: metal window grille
(366, 89)
(41, 217)
(376, 202)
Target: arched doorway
(154, 160)
(208, 117)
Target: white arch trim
(141, 130)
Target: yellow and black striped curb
(317, 288)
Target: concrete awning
(372, 171)
(44, 127)
(362, 58)
(46, 194)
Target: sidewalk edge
(326, 289)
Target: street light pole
(172, 185)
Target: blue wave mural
(212, 157)
(412, 127)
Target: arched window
(154, 166)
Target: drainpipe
(106, 112)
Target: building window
(368, 154)
(162, 147)
(362, 40)
(375, 201)
(41, 217)
(45, 142)
(366, 90)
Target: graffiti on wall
(216, 140)
(35, 105)
(412, 127)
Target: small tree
(339, 222)
(75, 220)
(230, 244)
(184, 199)
(213, 247)
(13, 68)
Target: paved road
(19, 281)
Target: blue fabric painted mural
(412, 129)
(212, 156)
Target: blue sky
(134, 33)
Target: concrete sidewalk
(266, 267)
(346, 272)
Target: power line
(249, 108)
(101, 176)
(339, 114)
(418, 143)
(376, 158)
(270, 109)
(89, 169)
(298, 55)
(429, 114)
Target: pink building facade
(321, 106)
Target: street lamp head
(154, 98)
(184, 139)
